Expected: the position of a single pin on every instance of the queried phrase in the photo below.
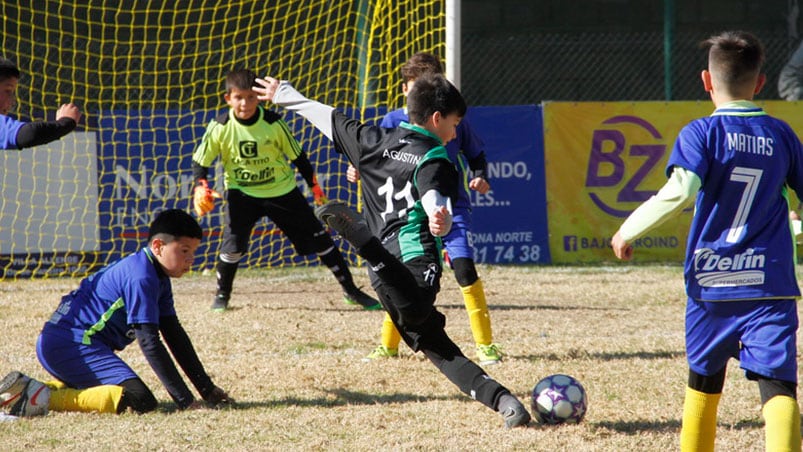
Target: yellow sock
(782, 424)
(699, 421)
(390, 336)
(101, 399)
(477, 309)
(55, 384)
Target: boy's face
(408, 86)
(243, 102)
(177, 256)
(8, 97)
(445, 127)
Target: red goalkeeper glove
(318, 197)
(204, 198)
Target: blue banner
(510, 224)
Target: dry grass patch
(289, 351)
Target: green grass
(289, 351)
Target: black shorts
(291, 213)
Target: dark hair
(176, 223)
(419, 64)
(8, 70)
(734, 57)
(240, 79)
(431, 93)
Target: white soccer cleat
(21, 395)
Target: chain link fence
(605, 66)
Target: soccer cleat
(382, 352)
(488, 355)
(358, 297)
(221, 302)
(513, 411)
(348, 223)
(21, 395)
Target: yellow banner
(603, 160)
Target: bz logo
(606, 165)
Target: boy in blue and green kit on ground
(740, 267)
(126, 301)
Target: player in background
(126, 301)
(740, 268)
(400, 240)
(467, 145)
(15, 134)
(256, 148)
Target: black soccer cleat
(346, 222)
(221, 302)
(514, 413)
(358, 297)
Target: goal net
(148, 77)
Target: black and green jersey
(256, 155)
(396, 167)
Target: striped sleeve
(293, 149)
(208, 150)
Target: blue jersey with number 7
(740, 245)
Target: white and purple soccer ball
(559, 399)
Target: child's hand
(440, 222)
(218, 398)
(267, 88)
(318, 197)
(352, 175)
(479, 184)
(621, 249)
(69, 111)
(204, 198)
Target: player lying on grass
(409, 185)
(126, 301)
(15, 134)
(740, 263)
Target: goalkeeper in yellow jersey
(256, 147)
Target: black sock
(225, 276)
(337, 264)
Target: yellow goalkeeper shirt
(256, 155)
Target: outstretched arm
(284, 95)
(183, 351)
(678, 192)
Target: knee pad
(769, 388)
(464, 271)
(137, 396)
(707, 384)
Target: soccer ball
(559, 399)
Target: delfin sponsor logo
(742, 269)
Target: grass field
(290, 353)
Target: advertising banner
(510, 220)
(602, 161)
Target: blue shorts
(458, 241)
(81, 366)
(762, 335)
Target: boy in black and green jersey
(409, 185)
(256, 148)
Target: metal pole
(453, 41)
(669, 35)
